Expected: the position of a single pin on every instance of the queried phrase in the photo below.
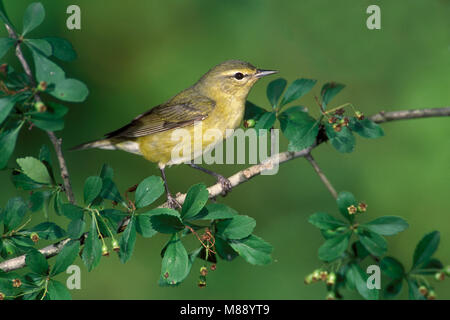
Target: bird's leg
(171, 201)
(225, 183)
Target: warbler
(216, 101)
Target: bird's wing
(176, 113)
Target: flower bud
(309, 279)
(203, 271)
(34, 237)
(362, 207)
(331, 296)
(40, 107)
(344, 122)
(315, 275)
(2, 296)
(201, 283)
(331, 279)
(352, 209)
(323, 275)
(447, 270)
(42, 86)
(423, 290)
(250, 123)
(431, 295)
(115, 245)
(439, 276)
(339, 111)
(105, 251)
(16, 283)
(337, 127)
(213, 267)
(332, 120)
(359, 115)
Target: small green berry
(331, 296)
(431, 295)
(331, 279)
(439, 276)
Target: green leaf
(324, 221)
(344, 200)
(144, 226)
(92, 251)
(343, 141)
(253, 112)
(329, 91)
(92, 188)
(413, 290)
(373, 242)
(3, 14)
(214, 211)
(387, 225)
(33, 17)
(76, 228)
(297, 89)
(62, 49)
(5, 45)
(21, 181)
(393, 289)
(334, 247)
(110, 191)
(48, 124)
(37, 262)
(224, 250)
(359, 278)
(71, 90)
(426, 248)
(8, 140)
(274, 91)
(57, 291)
(175, 264)
(166, 220)
(359, 250)
(66, 257)
(253, 249)
(48, 231)
(72, 211)
(237, 227)
(265, 122)
(148, 191)
(6, 105)
(14, 211)
(196, 199)
(36, 200)
(366, 128)
(41, 45)
(35, 170)
(299, 128)
(128, 240)
(392, 268)
(47, 70)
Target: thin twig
(235, 180)
(55, 141)
(322, 176)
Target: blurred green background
(138, 54)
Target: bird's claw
(172, 203)
(226, 185)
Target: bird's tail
(110, 144)
(97, 144)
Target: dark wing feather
(176, 113)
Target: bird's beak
(262, 73)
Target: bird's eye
(238, 76)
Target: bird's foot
(172, 202)
(225, 183)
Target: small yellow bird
(216, 101)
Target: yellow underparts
(159, 147)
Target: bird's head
(230, 78)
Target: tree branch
(55, 141)
(243, 176)
(322, 176)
